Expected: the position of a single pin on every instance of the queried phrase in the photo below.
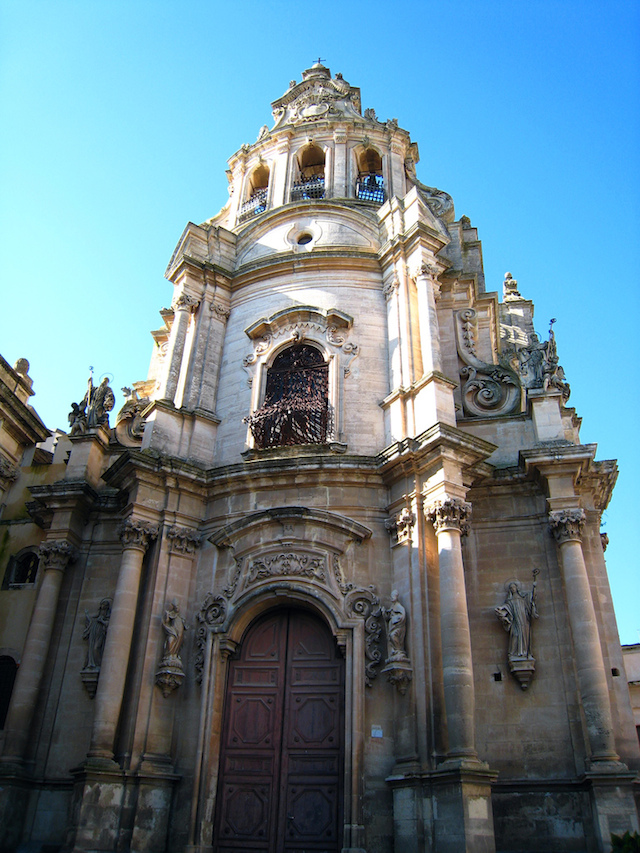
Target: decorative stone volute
(135, 533)
(56, 554)
(567, 524)
(449, 514)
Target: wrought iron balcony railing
(370, 188)
(308, 188)
(255, 205)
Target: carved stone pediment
(304, 322)
(318, 96)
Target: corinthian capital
(185, 302)
(56, 554)
(567, 524)
(135, 533)
(183, 540)
(450, 514)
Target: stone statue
(174, 628)
(99, 402)
(93, 410)
(95, 632)
(516, 614)
(171, 673)
(396, 617)
(398, 666)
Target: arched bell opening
(309, 182)
(256, 196)
(370, 180)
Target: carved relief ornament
(488, 390)
(567, 524)
(366, 604)
(450, 514)
(211, 615)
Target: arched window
(8, 669)
(370, 183)
(296, 400)
(21, 570)
(310, 180)
(258, 189)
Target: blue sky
(119, 117)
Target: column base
(15, 787)
(447, 810)
(613, 804)
(99, 799)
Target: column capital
(567, 524)
(135, 533)
(56, 554)
(185, 302)
(449, 514)
(183, 540)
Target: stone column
(450, 518)
(567, 526)
(135, 535)
(428, 288)
(54, 557)
(340, 189)
(183, 305)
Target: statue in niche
(398, 666)
(516, 615)
(171, 672)
(396, 617)
(95, 633)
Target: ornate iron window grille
(255, 205)
(370, 188)
(308, 188)
(296, 404)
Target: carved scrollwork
(366, 604)
(212, 613)
(488, 390)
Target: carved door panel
(281, 766)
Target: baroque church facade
(334, 580)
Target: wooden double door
(282, 758)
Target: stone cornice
(439, 439)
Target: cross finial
(320, 61)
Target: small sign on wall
(376, 731)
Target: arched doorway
(282, 756)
